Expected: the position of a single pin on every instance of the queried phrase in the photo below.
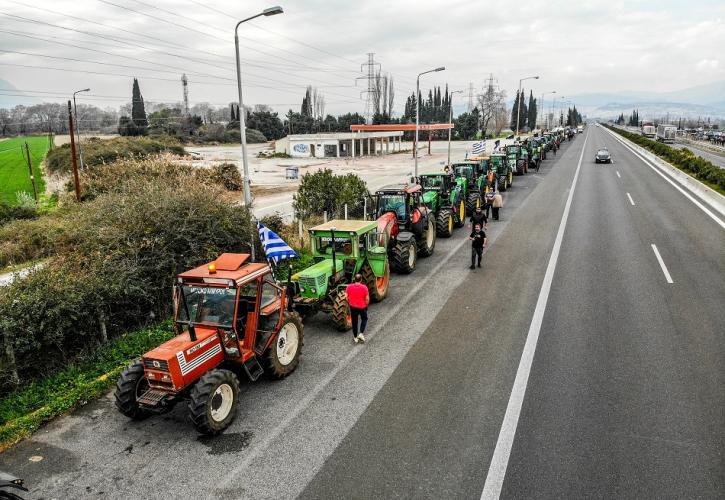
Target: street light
(417, 113)
(78, 128)
(543, 109)
(450, 120)
(518, 104)
(271, 11)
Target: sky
(575, 47)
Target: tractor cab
(398, 199)
(230, 317)
(465, 170)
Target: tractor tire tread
(442, 222)
(271, 365)
(199, 400)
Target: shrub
(255, 136)
(98, 152)
(322, 191)
(227, 175)
(21, 211)
(114, 260)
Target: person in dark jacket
(478, 218)
(478, 243)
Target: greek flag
(274, 246)
(478, 148)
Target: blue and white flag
(478, 148)
(274, 246)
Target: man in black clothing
(478, 217)
(478, 243)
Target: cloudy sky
(575, 46)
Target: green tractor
(341, 249)
(503, 172)
(444, 196)
(469, 175)
(407, 225)
(517, 158)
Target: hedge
(684, 159)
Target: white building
(339, 144)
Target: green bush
(114, 260)
(322, 191)
(255, 136)
(102, 152)
(14, 212)
(227, 174)
(684, 159)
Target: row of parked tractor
(233, 318)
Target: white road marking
(618, 174)
(657, 170)
(662, 264)
(502, 452)
(284, 424)
(630, 199)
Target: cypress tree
(532, 111)
(138, 111)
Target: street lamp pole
(78, 124)
(450, 120)
(518, 104)
(546, 121)
(417, 113)
(271, 11)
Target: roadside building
(342, 144)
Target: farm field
(14, 166)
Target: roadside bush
(255, 136)
(684, 159)
(227, 175)
(102, 152)
(114, 260)
(322, 191)
(14, 212)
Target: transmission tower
(370, 70)
(470, 97)
(185, 85)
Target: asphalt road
(623, 394)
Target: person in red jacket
(358, 298)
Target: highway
(714, 158)
(586, 359)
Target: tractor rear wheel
(341, 316)
(131, 385)
(428, 243)
(444, 222)
(377, 285)
(283, 356)
(503, 184)
(474, 201)
(405, 256)
(461, 214)
(213, 401)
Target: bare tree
(391, 96)
(500, 116)
(490, 104)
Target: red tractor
(231, 317)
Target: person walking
(478, 243)
(358, 298)
(478, 217)
(497, 204)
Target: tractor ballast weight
(231, 318)
(406, 223)
(341, 249)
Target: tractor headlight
(314, 290)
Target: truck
(666, 133)
(648, 129)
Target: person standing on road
(497, 204)
(358, 298)
(478, 243)
(478, 218)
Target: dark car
(603, 156)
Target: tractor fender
(404, 236)
(387, 227)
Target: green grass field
(14, 175)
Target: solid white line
(662, 264)
(630, 199)
(618, 174)
(502, 452)
(657, 170)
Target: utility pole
(450, 120)
(76, 181)
(185, 86)
(30, 169)
(370, 65)
(470, 96)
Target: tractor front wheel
(444, 223)
(131, 385)
(429, 237)
(341, 316)
(461, 214)
(405, 256)
(474, 201)
(377, 285)
(283, 356)
(213, 401)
